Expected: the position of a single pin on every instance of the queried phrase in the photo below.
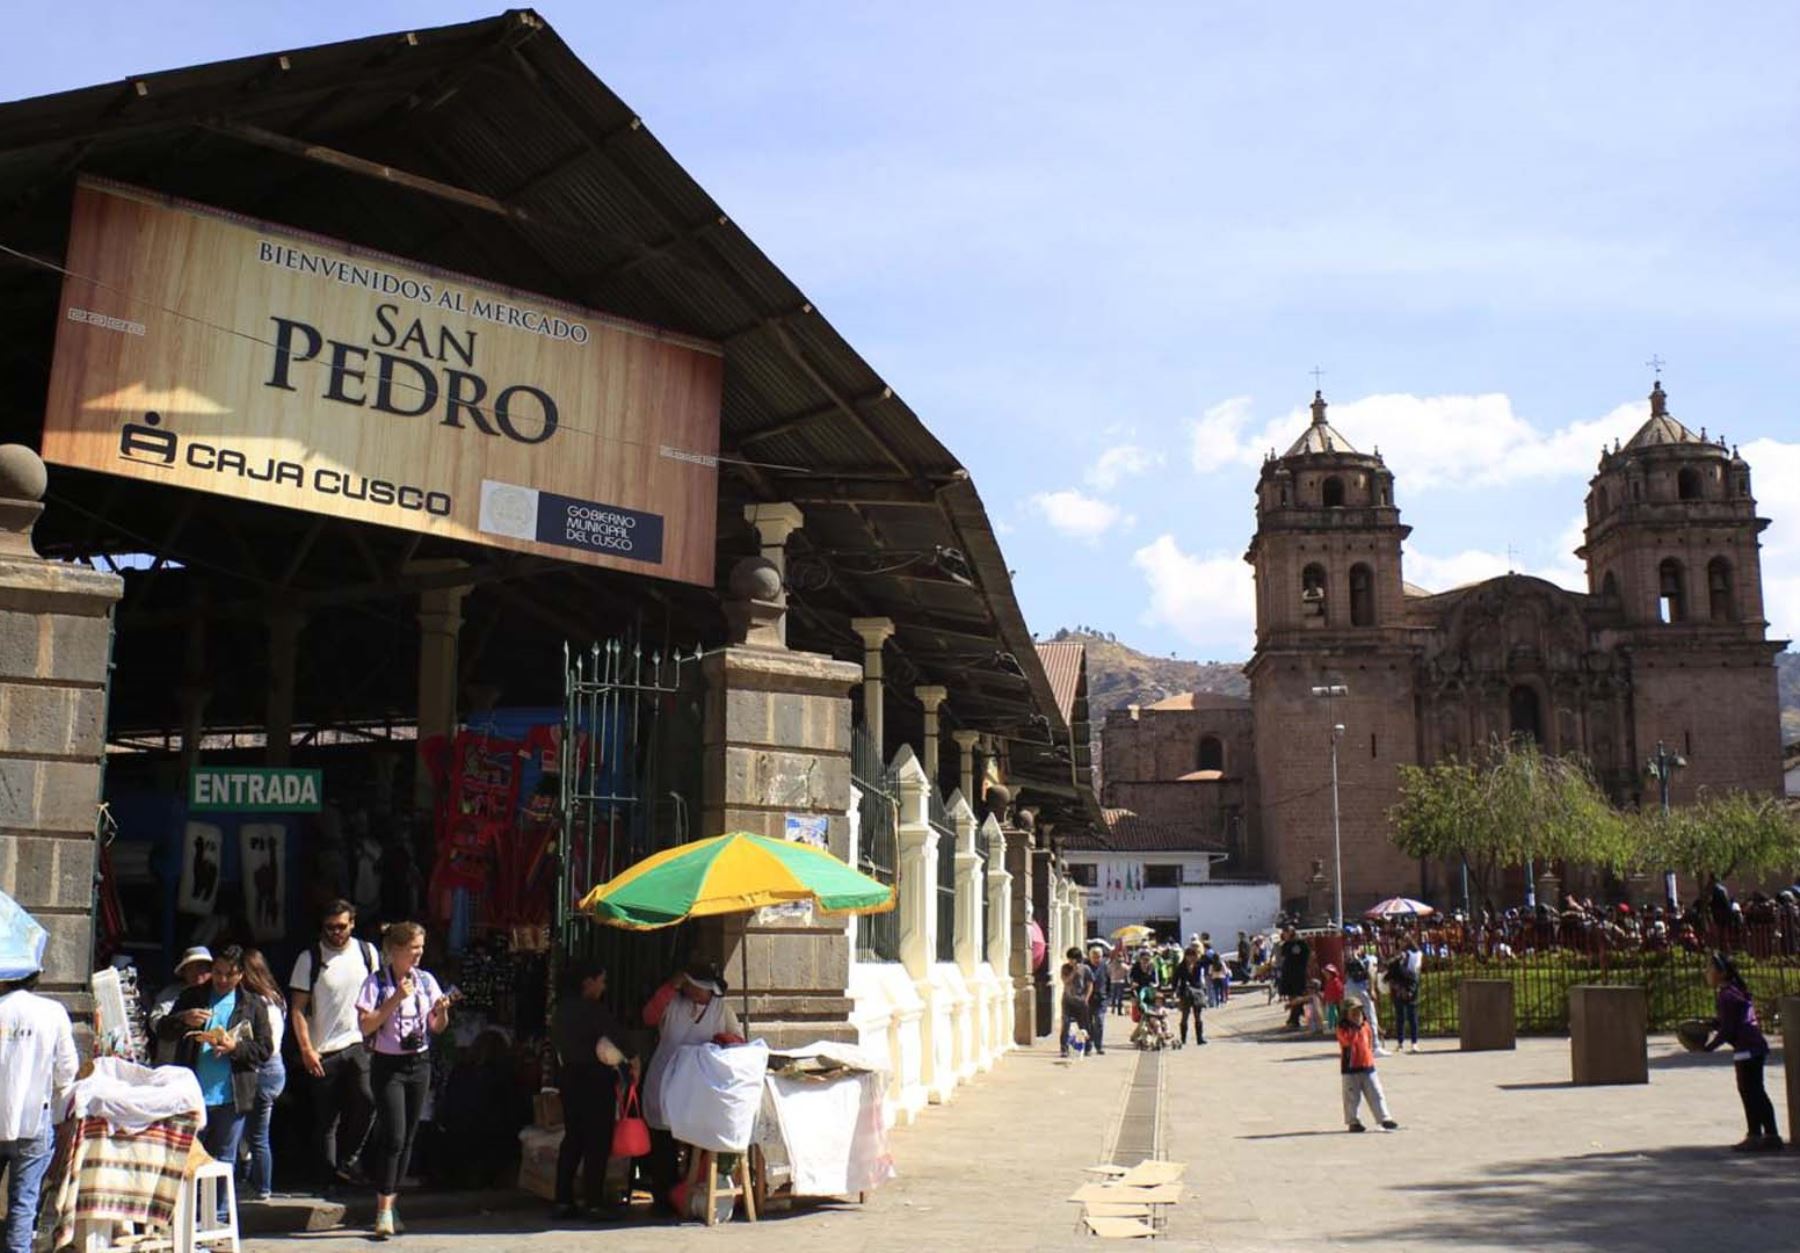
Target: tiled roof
(1201, 700)
(1063, 661)
(1320, 436)
(1127, 832)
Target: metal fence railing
(939, 818)
(1543, 963)
(878, 843)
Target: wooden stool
(736, 1185)
(197, 1225)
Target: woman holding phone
(399, 1009)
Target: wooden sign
(214, 352)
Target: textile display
(124, 1178)
(836, 1143)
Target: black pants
(1759, 1111)
(589, 1106)
(1097, 1025)
(1075, 1013)
(1190, 1004)
(342, 1103)
(664, 1165)
(400, 1083)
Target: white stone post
(875, 632)
(965, 747)
(918, 915)
(971, 896)
(999, 933)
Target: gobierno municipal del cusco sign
(209, 351)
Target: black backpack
(370, 962)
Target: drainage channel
(1139, 1136)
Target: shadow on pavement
(1676, 1198)
(1548, 1085)
(1294, 1135)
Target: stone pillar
(931, 698)
(777, 742)
(284, 624)
(971, 892)
(440, 630)
(774, 523)
(55, 649)
(1043, 908)
(998, 918)
(965, 747)
(875, 632)
(1485, 1013)
(194, 690)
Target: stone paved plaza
(1496, 1151)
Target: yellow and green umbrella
(1135, 933)
(732, 874)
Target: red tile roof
(1127, 832)
(1064, 662)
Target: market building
(447, 505)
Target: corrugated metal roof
(596, 212)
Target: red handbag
(631, 1134)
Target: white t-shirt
(331, 1015)
(37, 1062)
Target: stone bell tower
(1672, 551)
(1330, 612)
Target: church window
(1718, 590)
(1333, 492)
(1671, 595)
(1524, 714)
(1362, 596)
(1687, 483)
(1637, 489)
(1609, 587)
(1312, 592)
(1602, 502)
(1212, 753)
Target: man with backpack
(327, 978)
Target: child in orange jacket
(1356, 1064)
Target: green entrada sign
(254, 790)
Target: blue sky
(1098, 248)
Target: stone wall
(55, 653)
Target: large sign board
(214, 352)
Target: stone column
(965, 747)
(918, 910)
(774, 523)
(931, 697)
(777, 743)
(194, 690)
(875, 632)
(1043, 908)
(55, 649)
(440, 630)
(284, 623)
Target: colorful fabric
(123, 1178)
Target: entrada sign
(254, 790)
(210, 351)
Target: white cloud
(1121, 462)
(1775, 482)
(1208, 600)
(1079, 517)
(1557, 563)
(1428, 441)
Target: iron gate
(946, 874)
(630, 786)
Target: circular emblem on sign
(510, 511)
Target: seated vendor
(689, 1009)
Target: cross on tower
(1317, 374)
(1656, 363)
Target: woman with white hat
(689, 1009)
(194, 968)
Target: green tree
(1722, 834)
(1514, 805)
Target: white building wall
(1198, 905)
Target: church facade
(1667, 644)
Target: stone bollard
(1790, 1039)
(1609, 1035)
(1485, 1011)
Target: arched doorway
(1524, 713)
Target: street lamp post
(1661, 768)
(1331, 691)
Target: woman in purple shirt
(1736, 1025)
(399, 1009)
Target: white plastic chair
(197, 1225)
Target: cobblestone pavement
(1496, 1151)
